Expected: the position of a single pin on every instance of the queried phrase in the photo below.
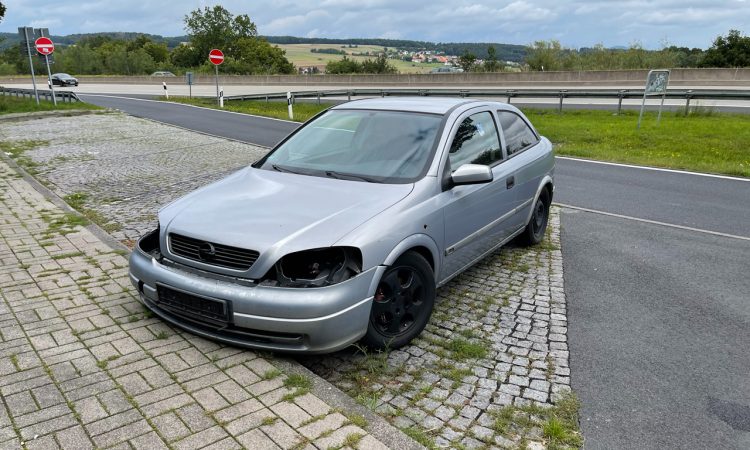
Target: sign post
(27, 34)
(189, 80)
(216, 57)
(289, 101)
(656, 84)
(45, 46)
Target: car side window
(518, 134)
(476, 142)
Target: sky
(575, 23)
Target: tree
(2, 11)
(730, 51)
(217, 28)
(491, 64)
(343, 66)
(467, 60)
(378, 65)
(545, 55)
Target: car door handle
(510, 182)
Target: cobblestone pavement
(126, 167)
(497, 339)
(83, 365)
(496, 345)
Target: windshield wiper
(350, 176)
(279, 168)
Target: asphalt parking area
(494, 356)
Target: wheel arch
(423, 245)
(546, 184)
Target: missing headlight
(319, 267)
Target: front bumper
(304, 320)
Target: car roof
(434, 105)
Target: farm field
(301, 56)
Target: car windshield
(364, 145)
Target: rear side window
(476, 142)
(518, 135)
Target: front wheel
(534, 231)
(402, 304)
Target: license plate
(193, 306)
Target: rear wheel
(402, 304)
(535, 229)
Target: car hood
(277, 213)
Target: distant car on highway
(447, 69)
(345, 230)
(163, 73)
(63, 79)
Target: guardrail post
(510, 94)
(348, 96)
(562, 96)
(319, 97)
(688, 95)
(620, 96)
(382, 93)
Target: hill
(505, 52)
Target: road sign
(216, 56)
(656, 84)
(44, 45)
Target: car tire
(537, 226)
(402, 304)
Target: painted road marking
(657, 169)
(653, 222)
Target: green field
(301, 56)
(10, 105)
(702, 142)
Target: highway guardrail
(65, 96)
(508, 94)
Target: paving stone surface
(127, 167)
(84, 365)
(497, 338)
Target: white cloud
(573, 22)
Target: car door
(475, 216)
(526, 158)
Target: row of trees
(349, 66)
(730, 51)
(245, 52)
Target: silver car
(344, 231)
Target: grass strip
(11, 105)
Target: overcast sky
(575, 23)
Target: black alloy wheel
(535, 229)
(402, 304)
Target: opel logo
(206, 251)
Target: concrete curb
(46, 114)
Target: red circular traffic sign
(216, 56)
(44, 45)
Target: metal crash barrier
(65, 96)
(509, 94)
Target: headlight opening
(318, 267)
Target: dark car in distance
(63, 79)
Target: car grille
(211, 253)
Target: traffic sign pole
(49, 80)
(31, 61)
(218, 100)
(216, 57)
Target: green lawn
(702, 142)
(9, 105)
(302, 111)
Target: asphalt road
(659, 316)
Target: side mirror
(471, 174)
